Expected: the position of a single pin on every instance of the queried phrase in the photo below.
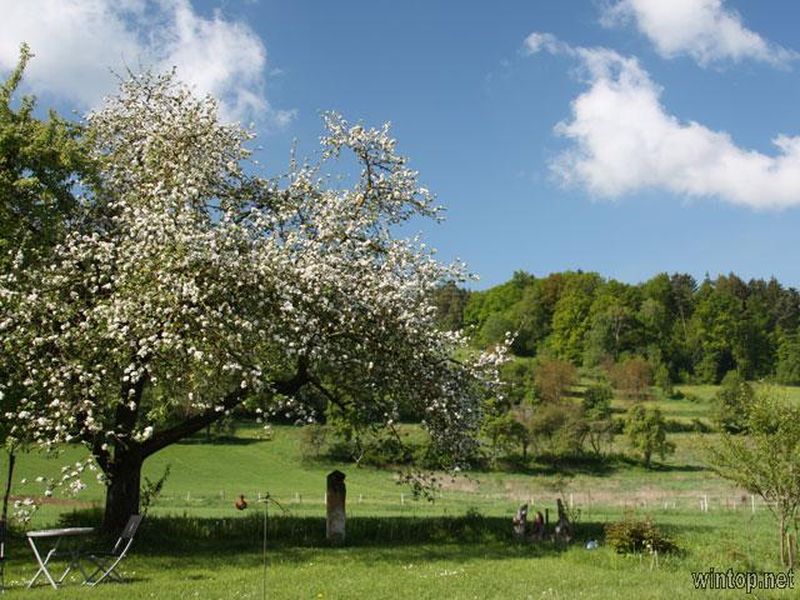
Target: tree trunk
(124, 470)
(7, 494)
(122, 492)
(782, 525)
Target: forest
(686, 331)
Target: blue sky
(664, 159)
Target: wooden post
(563, 528)
(335, 504)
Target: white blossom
(185, 282)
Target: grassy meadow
(195, 544)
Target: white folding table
(73, 552)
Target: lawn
(195, 544)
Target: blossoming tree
(187, 287)
(40, 163)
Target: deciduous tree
(186, 287)
(553, 378)
(767, 461)
(647, 433)
(41, 162)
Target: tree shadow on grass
(218, 441)
(685, 468)
(470, 535)
(182, 544)
(586, 464)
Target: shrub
(517, 376)
(597, 400)
(694, 426)
(371, 448)
(631, 536)
(559, 429)
(552, 379)
(313, 439)
(632, 377)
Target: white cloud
(706, 30)
(538, 42)
(624, 140)
(80, 44)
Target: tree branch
(101, 455)
(326, 392)
(193, 424)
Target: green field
(195, 544)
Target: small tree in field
(766, 461)
(552, 378)
(597, 412)
(503, 433)
(633, 377)
(732, 403)
(186, 287)
(523, 428)
(647, 433)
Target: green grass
(417, 557)
(194, 544)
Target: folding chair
(2, 555)
(106, 562)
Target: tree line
(687, 331)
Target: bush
(517, 376)
(632, 377)
(375, 449)
(630, 536)
(597, 400)
(694, 426)
(313, 439)
(559, 429)
(553, 378)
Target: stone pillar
(334, 526)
